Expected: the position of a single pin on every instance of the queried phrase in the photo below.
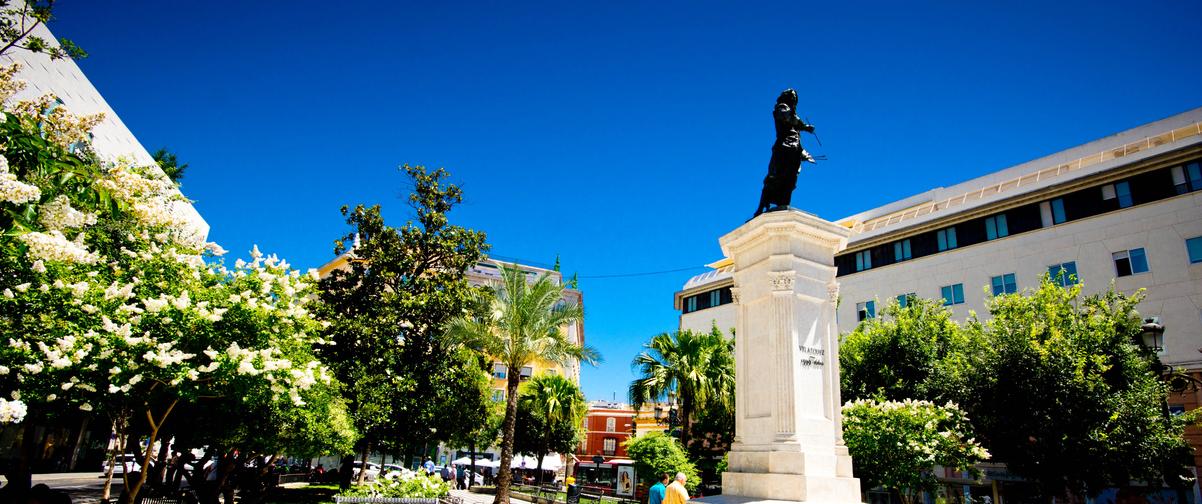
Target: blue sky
(623, 137)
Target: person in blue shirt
(656, 494)
(428, 466)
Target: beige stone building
(1125, 209)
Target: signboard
(625, 483)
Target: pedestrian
(461, 477)
(447, 473)
(656, 494)
(428, 465)
(676, 493)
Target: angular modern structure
(111, 139)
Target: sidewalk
(475, 498)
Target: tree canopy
(1054, 382)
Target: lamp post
(1151, 334)
(1151, 338)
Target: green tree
(911, 352)
(521, 323)
(897, 444)
(698, 367)
(550, 411)
(387, 310)
(1054, 382)
(484, 434)
(18, 20)
(1067, 397)
(170, 164)
(656, 453)
(127, 319)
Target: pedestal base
(791, 487)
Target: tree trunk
(346, 472)
(471, 474)
(363, 467)
(504, 474)
(117, 448)
(83, 428)
(20, 476)
(160, 469)
(540, 456)
(686, 426)
(155, 425)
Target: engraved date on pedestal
(812, 356)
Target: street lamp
(1151, 334)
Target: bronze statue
(787, 155)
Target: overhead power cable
(645, 273)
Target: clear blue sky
(624, 137)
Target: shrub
(654, 453)
(412, 486)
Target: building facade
(1125, 209)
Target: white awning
(551, 462)
(621, 461)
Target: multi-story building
(607, 427)
(489, 271)
(1125, 209)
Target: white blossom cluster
(53, 246)
(12, 411)
(57, 214)
(149, 196)
(56, 123)
(13, 190)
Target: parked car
(395, 470)
(125, 462)
(373, 470)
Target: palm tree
(560, 405)
(521, 324)
(697, 367)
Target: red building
(607, 426)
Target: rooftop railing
(1167, 137)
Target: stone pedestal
(788, 431)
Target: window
(715, 298)
(1003, 284)
(611, 424)
(863, 260)
(947, 238)
(1194, 247)
(499, 371)
(610, 445)
(903, 300)
(527, 371)
(865, 310)
(1130, 262)
(498, 395)
(1052, 212)
(1064, 274)
(690, 304)
(995, 227)
(901, 250)
(1120, 190)
(1188, 177)
(952, 294)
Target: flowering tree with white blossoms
(897, 444)
(107, 303)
